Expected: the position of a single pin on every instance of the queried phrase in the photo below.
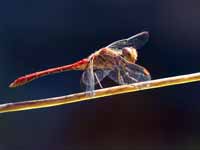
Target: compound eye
(130, 54)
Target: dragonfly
(116, 61)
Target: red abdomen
(79, 65)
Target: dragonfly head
(130, 54)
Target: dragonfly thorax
(130, 54)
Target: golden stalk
(55, 101)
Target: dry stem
(55, 101)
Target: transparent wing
(128, 73)
(99, 75)
(89, 76)
(137, 41)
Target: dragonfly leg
(127, 77)
(98, 80)
(131, 78)
(119, 77)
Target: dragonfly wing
(130, 74)
(99, 75)
(89, 76)
(138, 72)
(137, 41)
(127, 73)
(117, 76)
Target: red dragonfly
(117, 61)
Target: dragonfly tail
(79, 65)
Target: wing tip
(143, 35)
(146, 33)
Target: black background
(36, 35)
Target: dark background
(36, 35)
